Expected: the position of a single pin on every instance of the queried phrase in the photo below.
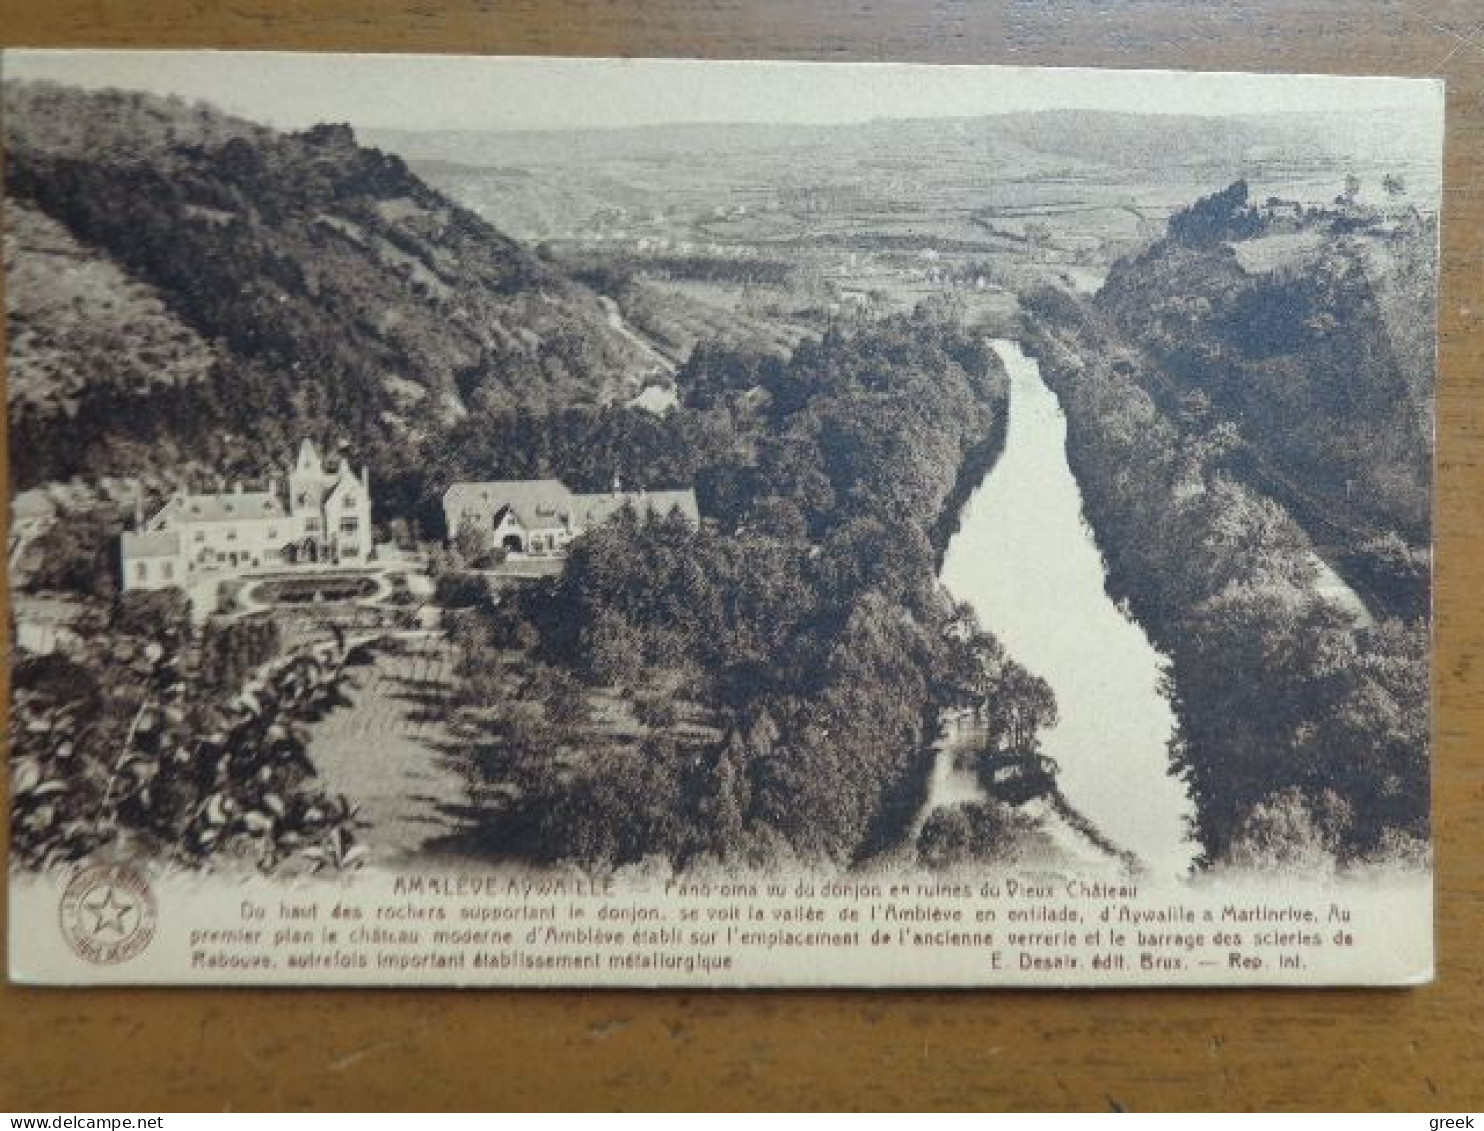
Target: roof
(313, 480)
(32, 504)
(657, 399)
(155, 544)
(546, 502)
(229, 507)
(595, 509)
(536, 502)
(308, 453)
(345, 480)
(310, 494)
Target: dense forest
(265, 259)
(1245, 401)
(1312, 362)
(771, 681)
(1302, 730)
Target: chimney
(139, 507)
(617, 484)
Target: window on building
(231, 536)
(311, 524)
(349, 525)
(141, 571)
(272, 533)
(200, 536)
(167, 571)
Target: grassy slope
(75, 319)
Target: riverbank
(1303, 727)
(978, 463)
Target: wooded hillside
(304, 282)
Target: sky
(422, 92)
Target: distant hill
(539, 184)
(274, 283)
(1087, 137)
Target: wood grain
(1421, 1049)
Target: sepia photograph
(539, 521)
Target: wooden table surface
(1423, 1049)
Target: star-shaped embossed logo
(107, 912)
(110, 910)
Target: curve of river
(1025, 559)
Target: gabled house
(323, 519)
(540, 517)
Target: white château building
(539, 517)
(323, 519)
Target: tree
(1221, 216)
(1023, 706)
(79, 554)
(610, 646)
(474, 543)
(982, 832)
(163, 614)
(1279, 834)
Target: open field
(388, 751)
(75, 319)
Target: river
(1024, 558)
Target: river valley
(1025, 559)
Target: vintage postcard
(493, 521)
